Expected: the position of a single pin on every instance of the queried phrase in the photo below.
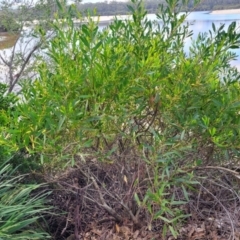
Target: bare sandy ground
(229, 11)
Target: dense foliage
(7, 23)
(7, 102)
(20, 209)
(132, 80)
(131, 90)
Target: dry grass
(7, 40)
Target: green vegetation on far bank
(107, 9)
(120, 8)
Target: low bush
(129, 92)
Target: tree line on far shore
(38, 11)
(114, 7)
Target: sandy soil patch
(229, 11)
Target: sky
(83, 1)
(94, 1)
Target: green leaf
(59, 5)
(235, 104)
(213, 27)
(185, 193)
(178, 202)
(165, 219)
(85, 41)
(137, 199)
(131, 8)
(234, 47)
(61, 121)
(173, 231)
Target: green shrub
(130, 79)
(132, 85)
(7, 102)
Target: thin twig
(64, 229)
(236, 174)
(104, 205)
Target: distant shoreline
(229, 11)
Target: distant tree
(33, 22)
(7, 23)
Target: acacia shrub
(132, 87)
(132, 79)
